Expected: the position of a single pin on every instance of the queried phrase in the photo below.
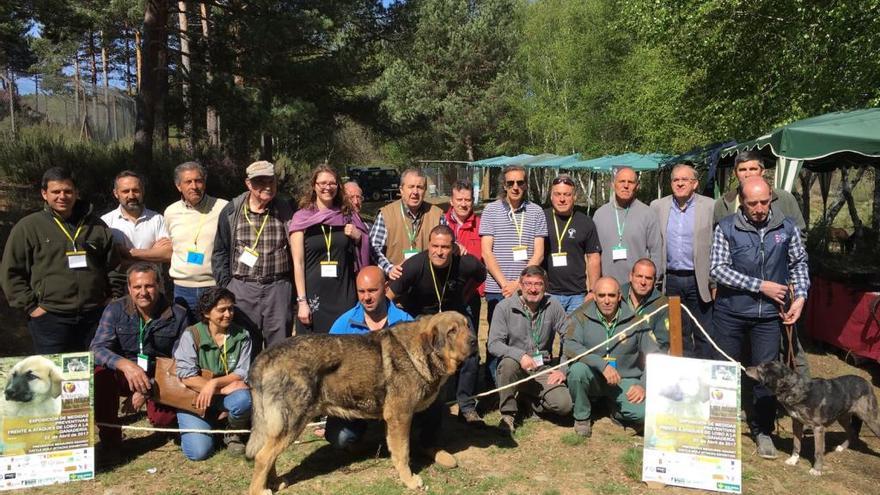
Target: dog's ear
(55, 379)
(433, 337)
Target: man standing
(511, 233)
(750, 164)
(134, 330)
(55, 267)
(686, 230)
(522, 335)
(401, 227)
(628, 229)
(643, 299)
(192, 225)
(574, 256)
(757, 255)
(251, 255)
(138, 232)
(613, 371)
(466, 224)
(438, 280)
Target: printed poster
(692, 424)
(46, 423)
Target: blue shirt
(680, 236)
(353, 321)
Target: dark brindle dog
(389, 374)
(818, 403)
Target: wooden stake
(675, 339)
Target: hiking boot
(440, 457)
(583, 428)
(507, 424)
(766, 449)
(235, 442)
(470, 417)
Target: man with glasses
(522, 335)
(511, 233)
(628, 229)
(252, 256)
(574, 255)
(402, 227)
(686, 230)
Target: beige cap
(261, 168)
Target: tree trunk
(127, 60)
(155, 19)
(846, 186)
(875, 209)
(162, 122)
(186, 70)
(110, 130)
(93, 57)
(76, 85)
(138, 58)
(807, 179)
(212, 119)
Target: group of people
(246, 273)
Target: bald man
(614, 370)
(757, 253)
(373, 311)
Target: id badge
(328, 269)
(194, 257)
(538, 358)
(144, 362)
(520, 253)
(409, 253)
(618, 253)
(559, 259)
(76, 259)
(248, 257)
(611, 361)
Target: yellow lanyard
(67, 232)
(564, 228)
(260, 230)
(518, 226)
(440, 295)
(223, 358)
(327, 238)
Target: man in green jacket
(55, 267)
(643, 299)
(614, 370)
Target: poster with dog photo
(692, 424)
(46, 422)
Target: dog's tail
(258, 425)
(869, 411)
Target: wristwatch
(300, 299)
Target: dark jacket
(659, 322)
(35, 272)
(222, 261)
(781, 201)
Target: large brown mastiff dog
(389, 374)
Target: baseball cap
(261, 168)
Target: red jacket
(468, 235)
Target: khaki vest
(397, 239)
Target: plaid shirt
(379, 236)
(274, 259)
(723, 273)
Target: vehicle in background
(377, 182)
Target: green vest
(211, 356)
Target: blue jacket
(352, 321)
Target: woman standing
(224, 349)
(329, 243)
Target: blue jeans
(344, 432)
(569, 303)
(188, 297)
(200, 446)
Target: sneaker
(440, 457)
(766, 449)
(583, 428)
(234, 444)
(507, 424)
(470, 417)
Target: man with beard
(644, 299)
(55, 267)
(138, 233)
(613, 371)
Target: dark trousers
(54, 333)
(469, 370)
(110, 385)
(729, 331)
(492, 300)
(685, 287)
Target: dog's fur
(33, 388)
(818, 403)
(389, 374)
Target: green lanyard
(142, 327)
(620, 226)
(413, 231)
(535, 323)
(609, 331)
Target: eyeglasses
(323, 185)
(563, 180)
(530, 285)
(518, 183)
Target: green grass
(572, 439)
(612, 488)
(631, 459)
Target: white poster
(692, 424)
(46, 420)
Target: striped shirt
(509, 229)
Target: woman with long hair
(329, 242)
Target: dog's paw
(793, 460)
(815, 472)
(414, 483)
(840, 448)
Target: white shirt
(140, 234)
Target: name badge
(248, 257)
(538, 358)
(610, 361)
(409, 253)
(328, 269)
(520, 253)
(76, 259)
(144, 362)
(194, 257)
(559, 259)
(618, 253)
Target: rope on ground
(188, 430)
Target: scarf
(306, 218)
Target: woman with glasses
(329, 244)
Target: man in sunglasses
(512, 232)
(573, 250)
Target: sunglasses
(563, 180)
(518, 183)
